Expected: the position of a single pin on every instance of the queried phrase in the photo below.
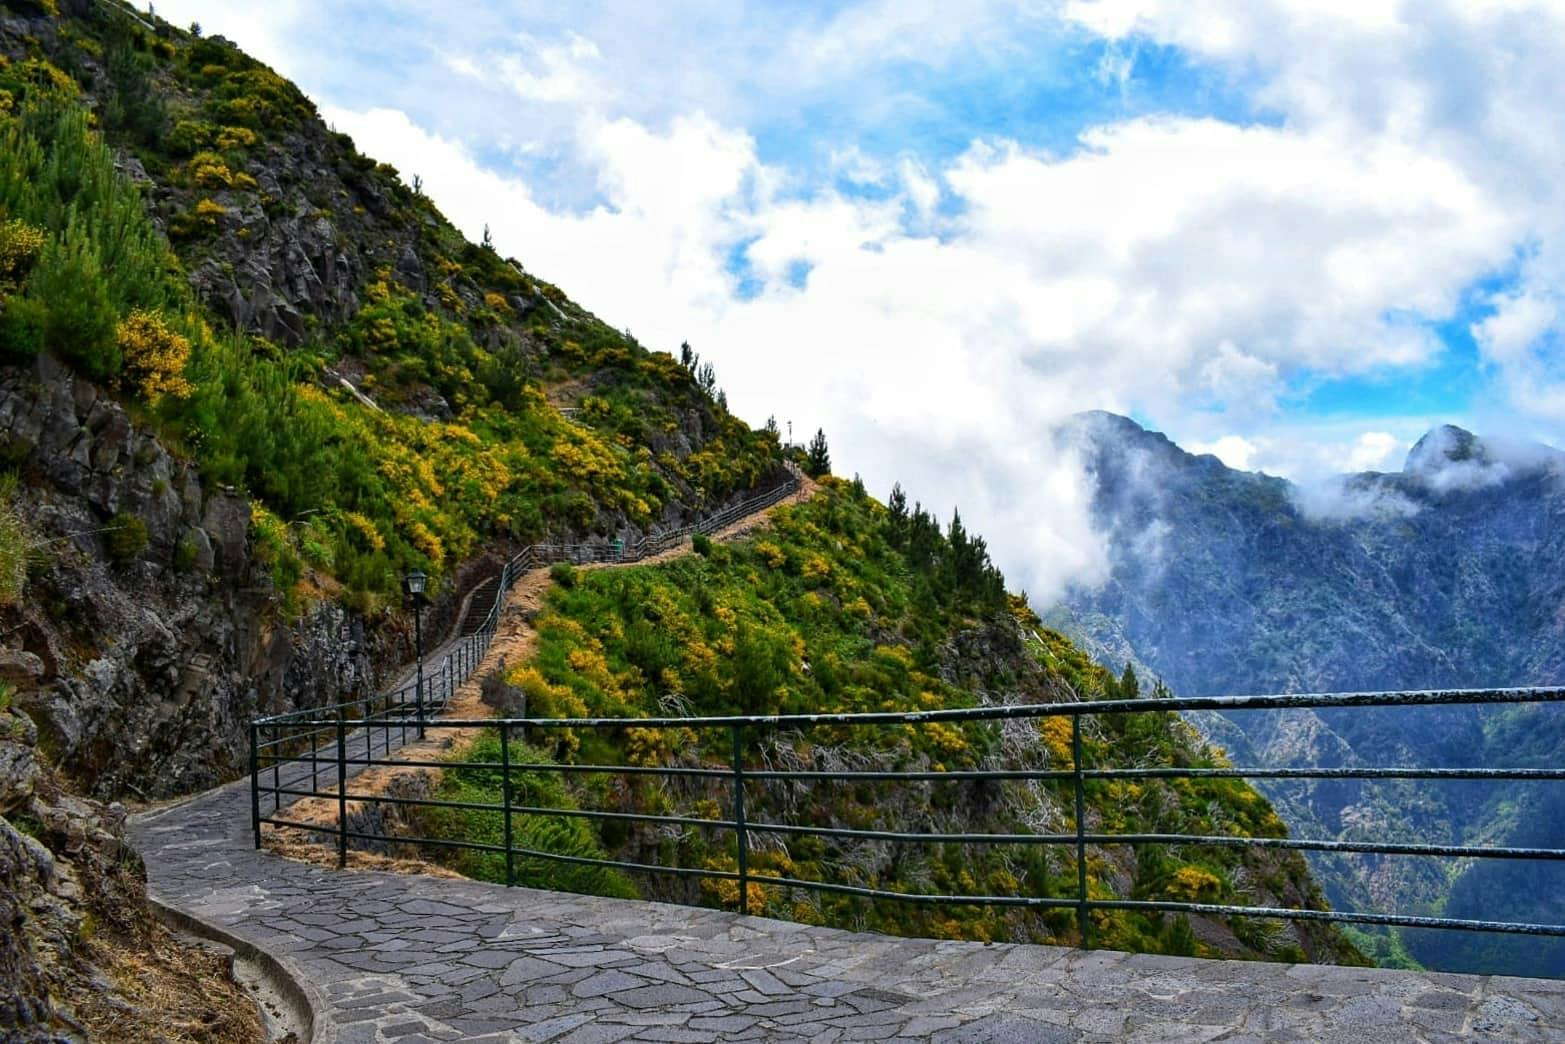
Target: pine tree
(896, 525)
(819, 461)
(771, 425)
(687, 357)
(1129, 684)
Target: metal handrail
(738, 776)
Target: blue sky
(1296, 233)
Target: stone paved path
(406, 959)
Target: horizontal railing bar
(1046, 902)
(386, 799)
(636, 817)
(629, 770)
(912, 837)
(1011, 712)
(381, 762)
(618, 864)
(1344, 916)
(1362, 847)
(1278, 913)
(1322, 773)
(475, 846)
(971, 775)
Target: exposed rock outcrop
(143, 666)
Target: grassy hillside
(844, 605)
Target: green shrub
(701, 544)
(22, 322)
(564, 574)
(81, 323)
(126, 537)
(189, 137)
(186, 552)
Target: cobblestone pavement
(409, 960)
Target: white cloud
(1236, 451)
(564, 70)
(1186, 267)
(1375, 451)
(1468, 86)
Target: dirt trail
(514, 643)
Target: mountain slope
(249, 377)
(1446, 574)
(843, 605)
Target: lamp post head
(413, 584)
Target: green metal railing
(737, 775)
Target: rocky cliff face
(143, 659)
(1449, 573)
(80, 957)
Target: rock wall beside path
(142, 673)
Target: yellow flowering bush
(155, 356)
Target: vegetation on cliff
(411, 420)
(844, 605)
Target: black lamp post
(413, 584)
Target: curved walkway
(410, 959)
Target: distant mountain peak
(1444, 446)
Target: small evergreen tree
(818, 462)
(1129, 684)
(688, 357)
(771, 425)
(81, 323)
(896, 522)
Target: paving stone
(661, 995)
(549, 1029)
(606, 982)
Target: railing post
(277, 787)
(740, 833)
(418, 639)
(505, 788)
(342, 790)
(255, 781)
(315, 776)
(1082, 920)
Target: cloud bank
(937, 307)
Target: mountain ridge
(1447, 574)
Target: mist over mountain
(1448, 573)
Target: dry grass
(164, 991)
(293, 844)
